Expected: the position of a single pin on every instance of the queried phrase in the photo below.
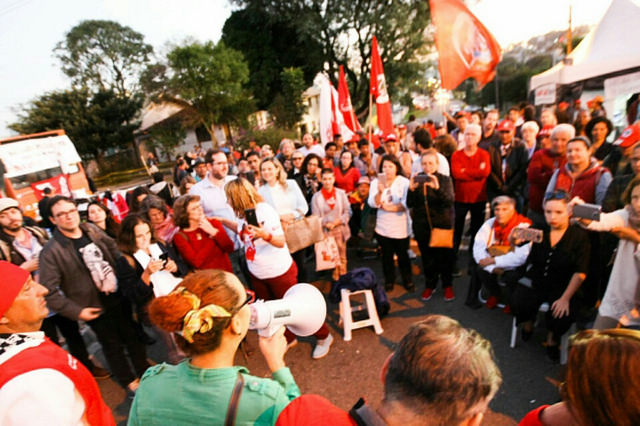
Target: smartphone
(528, 234)
(164, 257)
(250, 216)
(421, 178)
(587, 211)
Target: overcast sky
(29, 30)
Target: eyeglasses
(556, 195)
(68, 213)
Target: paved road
(352, 368)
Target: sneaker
(322, 347)
(427, 293)
(448, 294)
(492, 302)
(99, 373)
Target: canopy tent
(609, 50)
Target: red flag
(465, 47)
(378, 90)
(344, 100)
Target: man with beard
(21, 245)
(489, 134)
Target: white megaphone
(302, 310)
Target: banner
(59, 186)
(465, 47)
(33, 155)
(378, 90)
(344, 100)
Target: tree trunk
(212, 132)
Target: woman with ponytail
(209, 315)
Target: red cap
(629, 136)
(390, 137)
(506, 125)
(13, 279)
(545, 132)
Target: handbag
(303, 233)
(327, 254)
(440, 237)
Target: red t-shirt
(470, 175)
(348, 181)
(202, 251)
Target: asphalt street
(351, 369)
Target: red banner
(465, 47)
(344, 100)
(58, 184)
(378, 90)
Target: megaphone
(302, 310)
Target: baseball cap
(7, 203)
(391, 137)
(629, 136)
(13, 278)
(545, 132)
(364, 179)
(460, 114)
(506, 126)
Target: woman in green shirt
(209, 315)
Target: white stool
(346, 311)
(564, 341)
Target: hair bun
(168, 312)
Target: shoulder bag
(440, 237)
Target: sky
(30, 29)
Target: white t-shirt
(269, 261)
(391, 224)
(316, 149)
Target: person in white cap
(40, 383)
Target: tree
(94, 123)
(167, 137)
(209, 80)
(279, 45)
(288, 107)
(343, 31)
(104, 55)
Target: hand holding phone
(250, 216)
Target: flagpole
(569, 35)
(369, 119)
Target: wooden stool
(346, 312)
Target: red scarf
(329, 197)
(501, 233)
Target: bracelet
(268, 237)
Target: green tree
(167, 137)
(288, 107)
(94, 122)
(344, 31)
(271, 43)
(104, 55)
(209, 80)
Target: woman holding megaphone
(270, 265)
(209, 314)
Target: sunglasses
(251, 297)
(556, 195)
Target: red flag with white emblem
(344, 100)
(465, 47)
(378, 90)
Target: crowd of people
(178, 262)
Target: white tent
(609, 48)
